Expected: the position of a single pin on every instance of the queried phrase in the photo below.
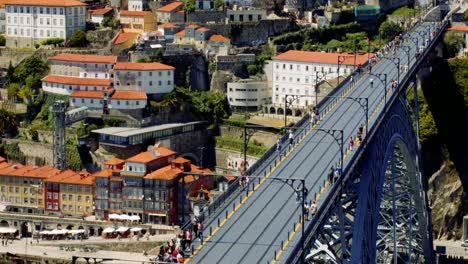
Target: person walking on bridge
(371, 83)
(291, 137)
(313, 209)
(330, 174)
(278, 145)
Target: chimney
(14, 166)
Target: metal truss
(379, 213)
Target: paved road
(255, 230)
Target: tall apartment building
(70, 193)
(297, 73)
(30, 21)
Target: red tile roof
(105, 173)
(165, 173)
(11, 167)
(84, 58)
(204, 29)
(134, 13)
(170, 7)
(60, 176)
(459, 28)
(147, 156)
(180, 12)
(43, 172)
(82, 177)
(219, 38)
(2, 159)
(76, 81)
(87, 94)
(20, 171)
(45, 2)
(180, 33)
(128, 95)
(192, 26)
(114, 161)
(180, 160)
(122, 37)
(101, 11)
(2, 3)
(4, 165)
(167, 25)
(321, 57)
(136, 66)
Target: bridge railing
(333, 198)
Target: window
(137, 102)
(80, 208)
(159, 83)
(61, 11)
(87, 188)
(64, 197)
(150, 73)
(79, 198)
(56, 206)
(118, 102)
(41, 10)
(241, 18)
(169, 73)
(139, 83)
(159, 73)
(16, 189)
(150, 83)
(39, 201)
(25, 200)
(54, 11)
(290, 66)
(64, 207)
(49, 205)
(70, 207)
(55, 196)
(49, 195)
(168, 82)
(87, 199)
(48, 10)
(25, 190)
(250, 17)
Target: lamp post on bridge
(407, 50)
(249, 131)
(397, 64)
(383, 79)
(341, 59)
(293, 97)
(337, 135)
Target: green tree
(78, 39)
(2, 40)
(144, 60)
(9, 74)
(7, 121)
(159, 56)
(219, 3)
(465, 15)
(189, 6)
(388, 30)
(107, 22)
(252, 69)
(52, 41)
(33, 65)
(12, 90)
(452, 43)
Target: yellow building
(75, 192)
(137, 21)
(21, 186)
(123, 40)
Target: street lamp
(249, 131)
(338, 137)
(383, 78)
(293, 97)
(397, 64)
(341, 59)
(407, 50)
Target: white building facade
(136, 5)
(118, 100)
(245, 15)
(298, 72)
(248, 95)
(30, 21)
(151, 78)
(2, 18)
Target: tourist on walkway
(313, 209)
(371, 83)
(330, 174)
(188, 239)
(351, 143)
(278, 145)
(291, 137)
(200, 231)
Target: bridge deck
(255, 231)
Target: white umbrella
(136, 229)
(114, 216)
(6, 230)
(45, 232)
(79, 231)
(135, 218)
(122, 229)
(124, 217)
(108, 230)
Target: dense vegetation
(254, 148)
(205, 105)
(78, 39)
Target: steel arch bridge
(381, 204)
